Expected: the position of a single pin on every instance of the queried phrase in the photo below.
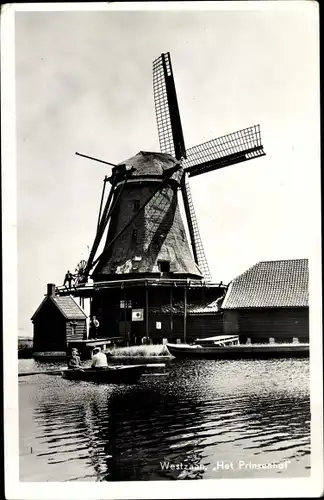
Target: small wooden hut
(57, 321)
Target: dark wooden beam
(146, 313)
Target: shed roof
(279, 283)
(66, 304)
(69, 307)
(211, 306)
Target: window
(73, 328)
(125, 304)
(164, 266)
(136, 205)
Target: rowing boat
(110, 375)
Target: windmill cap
(149, 163)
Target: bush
(143, 350)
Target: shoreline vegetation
(25, 350)
(25, 347)
(146, 351)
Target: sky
(84, 83)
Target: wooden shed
(203, 318)
(269, 301)
(57, 321)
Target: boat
(110, 375)
(229, 347)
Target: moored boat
(228, 347)
(110, 375)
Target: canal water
(203, 420)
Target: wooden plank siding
(198, 326)
(204, 325)
(282, 324)
(75, 330)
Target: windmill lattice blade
(197, 243)
(166, 108)
(227, 150)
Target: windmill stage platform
(89, 289)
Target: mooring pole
(146, 312)
(185, 315)
(125, 316)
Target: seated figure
(99, 359)
(74, 361)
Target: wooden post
(146, 313)
(124, 316)
(185, 315)
(124, 299)
(171, 313)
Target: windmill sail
(196, 242)
(166, 107)
(227, 150)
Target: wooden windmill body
(155, 241)
(147, 262)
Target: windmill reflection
(130, 433)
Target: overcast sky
(84, 83)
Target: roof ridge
(282, 260)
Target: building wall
(204, 325)
(197, 326)
(282, 324)
(115, 321)
(49, 329)
(76, 330)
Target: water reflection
(183, 426)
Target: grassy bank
(25, 347)
(147, 351)
(25, 353)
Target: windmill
(145, 231)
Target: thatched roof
(148, 163)
(157, 233)
(280, 283)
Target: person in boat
(74, 361)
(99, 359)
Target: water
(205, 419)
